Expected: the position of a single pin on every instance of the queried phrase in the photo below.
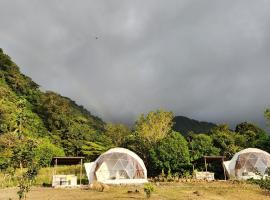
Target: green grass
(44, 177)
(218, 190)
(165, 191)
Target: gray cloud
(208, 60)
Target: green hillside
(37, 125)
(185, 125)
(25, 109)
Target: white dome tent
(249, 163)
(117, 166)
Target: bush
(45, 151)
(44, 177)
(148, 189)
(263, 183)
(169, 176)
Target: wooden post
(54, 170)
(205, 163)
(81, 173)
(225, 178)
(55, 165)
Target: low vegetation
(35, 126)
(165, 191)
(148, 189)
(264, 184)
(43, 178)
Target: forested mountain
(36, 125)
(25, 109)
(185, 125)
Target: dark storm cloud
(204, 59)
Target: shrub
(263, 183)
(169, 176)
(148, 189)
(45, 151)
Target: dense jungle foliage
(37, 125)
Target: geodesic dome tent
(117, 166)
(249, 163)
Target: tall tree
(170, 154)
(148, 131)
(154, 126)
(249, 135)
(118, 133)
(225, 140)
(201, 145)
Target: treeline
(163, 149)
(36, 125)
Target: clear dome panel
(118, 166)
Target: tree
(93, 149)
(26, 155)
(22, 85)
(225, 140)
(171, 153)
(154, 126)
(23, 158)
(8, 141)
(26, 181)
(148, 131)
(45, 151)
(267, 115)
(16, 115)
(201, 145)
(249, 135)
(118, 133)
(264, 143)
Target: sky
(207, 60)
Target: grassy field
(44, 176)
(179, 191)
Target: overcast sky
(208, 60)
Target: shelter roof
(66, 160)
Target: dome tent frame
(117, 166)
(249, 163)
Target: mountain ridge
(184, 125)
(43, 114)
